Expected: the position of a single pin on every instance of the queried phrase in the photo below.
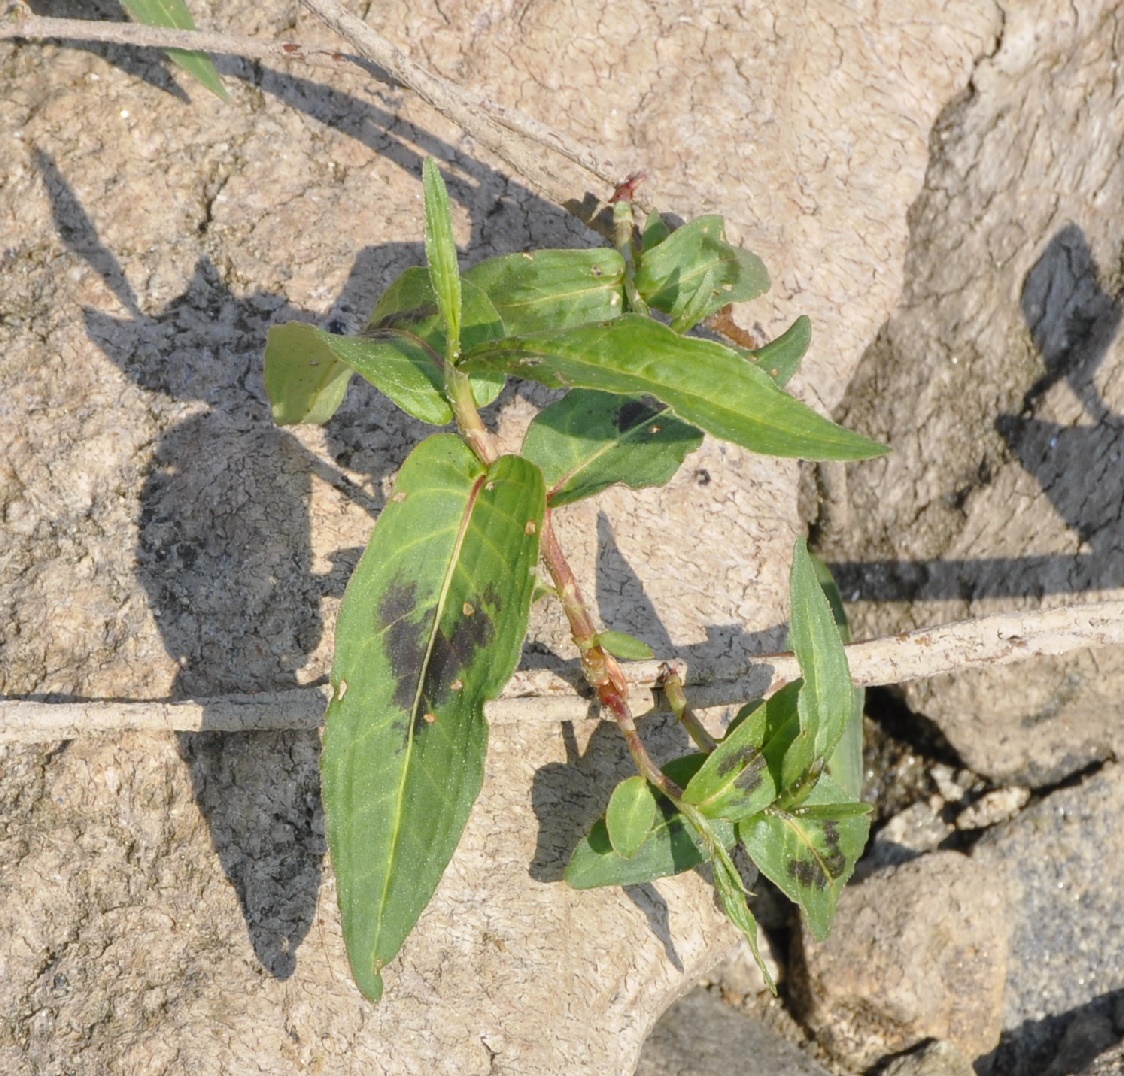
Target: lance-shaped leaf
(809, 853)
(781, 358)
(588, 441)
(441, 253)
(307, 370)
(632, 812)
(655, 231)
(694, 259)
(846, 762)
(671, 847)
(430, 628)
(174, 15)
(624, 646)
(409, 306)
(552, 289)
(827, 702)
(703, 382)
(735, 780)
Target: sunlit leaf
(703, 382)
(174, 15)
(431, 626)
(588, 441)
(624, 646)
(552, 289)
(697, 258)
(441, 250)
(631, 814)
(827, 701)
(809, 853)
(733, 897)
(672, 846)
(781, 358)
(735, 781)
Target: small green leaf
(846, 763)
(441, 254)
(625, 647)
(789, 748)
(588, 441)
(304, 379)
(697, 304)
(735, 781)
(703, 382)
(552, 289)
(672, 846)
(781, 358)
(306, 372)
(174, 15)
(810, 853)
(655, 231)
(430, 628)
(694, 259)
(631, 815)
(827, 700)
(409, 306)
(732, 894)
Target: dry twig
(546, 698)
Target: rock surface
(1064, 857)
(917, 952)
(933, 1059)
(162, 538)
(1003, 490)
(702, 1036)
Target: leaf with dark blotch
(810, 853)
(441, 250)
(588, 441)
(632, 812)
(430, 628)
(552, 289)
(703, 382)
(826, 700)
(735, 781)
(781, 358)
(174, 15)
(409, 306)
(694, 259)
(672, 846)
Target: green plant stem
(471, 425)
(676, 698)
(622, 237)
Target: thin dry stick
(547, 699)
(479, 116)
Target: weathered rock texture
(918, 952)
(168, 904)
(998, 383)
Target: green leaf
(588, 441)
(846, 763)
(732, 894)
(809, 853)
(409, 306)
(735, 781)
(441, 254)
(431, 626)
(174, 15)
(623, 646)
(632, 813)
(696, 258)
(552, 289)
(827, 701)
(789, 748)
(656, 230)
(304, 379)
(703, 382)
(781, 358)
(672, 845)
(306, 372)
(696, 304)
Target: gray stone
(700, 1035)
(1065, 858)
(932, 1059)
(1089, 1036)
(1110, 1063)
(999, 384)
(917, 952)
